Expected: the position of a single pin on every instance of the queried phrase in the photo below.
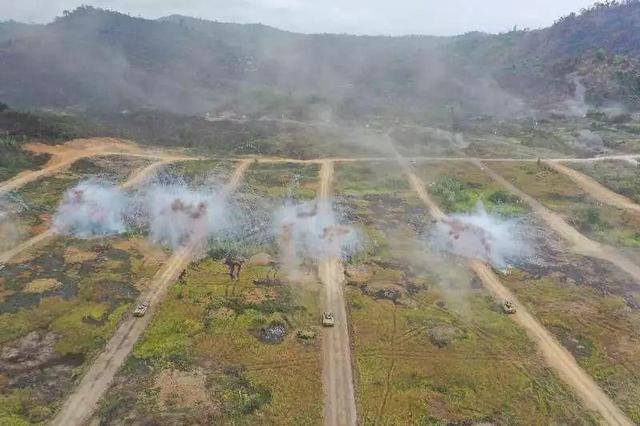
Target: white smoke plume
(92, 208)
(172, 213)
(577, 105)
(313, 231)
(175, 213)
(492, 239)
(10, 232)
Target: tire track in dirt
(337, 372)
(578, 242)
(594, 188)
(390, 370)
(554, 354)
(137, 178)
(81, 404)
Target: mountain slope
(93, 59)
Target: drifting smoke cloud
(500, 242)
(92, 208)
(577, 105)
(171, 212)
(175, 213)
(10, 232)
(309, 230)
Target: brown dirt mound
(183, 390)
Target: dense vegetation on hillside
(97, 60)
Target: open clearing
(419, 335)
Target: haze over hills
(97, 60)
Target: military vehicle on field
(328, 320)
(140, 310)
(508, 307)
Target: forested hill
(91, 59)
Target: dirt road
(63, 156)
(84, 400)
(595, 189)
(578, 242)
(337, 373)
(137, 178)
(622, 157)
(555, 355)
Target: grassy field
(13, 159)
(619, 176)
(282, 181)
(231, 352)
(430, 345)
(457, 187)
(197, 173)
(58, 306)
(586, 305)
(557, 192)
(592, 308)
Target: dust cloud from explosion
(171, 213)
(478, 235)
(312, 230)
(10, 232)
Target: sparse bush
(453, 193)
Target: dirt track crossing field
(579, 243)
(337, 373)
(340, 405)
(595, 189)
(83, 401)
(556, 356)
(137, 178)
(63, 156)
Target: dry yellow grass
(42, 285)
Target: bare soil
(337, 372)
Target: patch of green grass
(441, 353)
(13, 159)
(197, 172)
(458, 187)
(619, 176)
(210, 323)
(78, 331)
(597, 330)
(365, 179)
(95, 294)
(208, 320)
(601, 222)
(282, 181)
(17, 409)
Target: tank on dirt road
(140, 310)
(328, 319)
(508, 307)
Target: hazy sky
(441, 17)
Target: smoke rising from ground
(10, 232)
(478, 235)
(92, 208)
(172, 213)
(175, 213)
(310, 230)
